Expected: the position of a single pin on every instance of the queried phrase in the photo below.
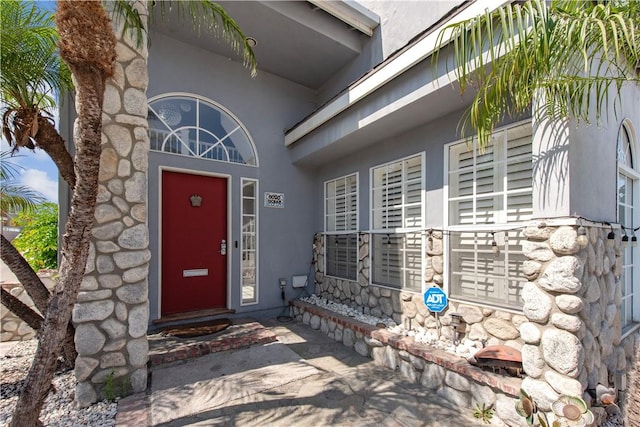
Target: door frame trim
(229, 255)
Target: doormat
(190, 330)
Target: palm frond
(13, 195)
(574, 52)
(32, 72)
(204, 15)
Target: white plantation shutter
(341, 224)
(491, 189)
(396, 211)
(396, 195)
(341, 204)
(397, 260)
(341, 255)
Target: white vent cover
(299, 281)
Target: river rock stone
(107, 213)
(138, 318)
(138, 351)
(432, 376)
(540, 392)
(562, 351)
(135, 188)
(108, 231)
(532, 360)
(564, 241)
(537, 304)
(84, 367)
(92, 311)
(530, 333)
(85, 394)
(567, 322)
(562, 275)
(110, 360)
(563, 384)
(538, 251)
(133, 294)
(471, 314)
(570, 304)
(114, 328)
(501, 328)
(89, 340)
(131, 259)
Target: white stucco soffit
(385, 73)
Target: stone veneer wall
(112, 312)
(569, 329)
(12, 327)
(573, 337)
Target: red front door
(194, 266)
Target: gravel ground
(59, 409)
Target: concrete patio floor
(302, 379)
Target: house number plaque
(274, 200)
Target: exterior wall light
(494, 245)
(611, 238)
(634, 241)
(583, 239)
(625, 240)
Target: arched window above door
(189, 125)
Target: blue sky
(37, 170)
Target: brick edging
(202, 348)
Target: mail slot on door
(196, 272)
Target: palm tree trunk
(50, 141)
(20, 309)
(37, 291)
(87, 44)
(24, 273)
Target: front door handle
(223, 247)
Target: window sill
(629, 330)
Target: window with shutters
(629, 218)
(397, 218)
(341, 226)
(489, 194)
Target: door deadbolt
(223, 247)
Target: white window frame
(503, 229)
(176, 135)
(256, 207)
(632, 173)
(328, 234)
(418, 228)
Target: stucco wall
(265, 105)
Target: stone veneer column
(572, 337)
(112, 312)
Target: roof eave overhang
(386, 72)
(351, 13)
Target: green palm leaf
(14, 196)
(204, 15)
(32, 72)
(568, 52)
